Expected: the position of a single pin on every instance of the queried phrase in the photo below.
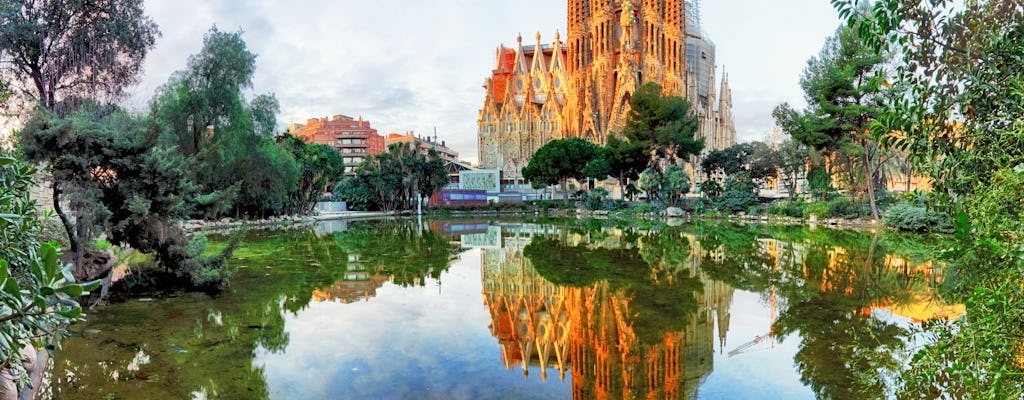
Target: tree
(203, 112)
(626, 159)
(739, 192)
(203, 104)
(321, 167)
(125, 186)
(397, 178)
(956, 109)
(665, 125)
(842, 88)
(60, 49)
(650, 182)
(558, 161)
(792, 161)
(675, 183)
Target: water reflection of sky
(765, 371)
(434, 342)
(419, 342)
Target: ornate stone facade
(581, 87)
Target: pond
(464, 309)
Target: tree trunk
(64, 220)
(870, 182)
(565, 192)
(622, 188)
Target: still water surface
(559, 310)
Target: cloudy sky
(416, 65)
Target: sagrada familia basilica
(580, 87)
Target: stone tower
(613, 47)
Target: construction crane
(773, 308)
(748, 345)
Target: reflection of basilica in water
(597, 332)
(356, 284)
(592, 331)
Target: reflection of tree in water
(830, 281)
(398, 249)
(206, 344)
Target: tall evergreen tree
(664, 124)
(842, 87)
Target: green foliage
(961, 63)
(844, 207)
(843, 91)
(203, 113)
(560, 160)
(60, 50)
(792, 162)
(19, 222)
(596, 199)
(650, 182)
(625, 158)
(711, 188)
(123, 185)
(819, 210)
(36, 308)
(37, 296)
(395, 179)
(998, 208)
(793, 209)
(906, 217)
(819, 181)
(738, 194)
(675, 183)
(755, 158)
(357, 195)
(665, 125)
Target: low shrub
(911, 218)
(595, 200)
(788, 209)
(819, 209)
(846, 208)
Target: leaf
(72, 290)
(90, 286)
(50, 260)
(6, 161)
(73, 313)
(12, 289)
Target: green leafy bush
(907, 217)
(846, 208)
(37, 296)
(738, 194)
(788, 209)
(595, 199)
(819, 209)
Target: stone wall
(42, 192)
